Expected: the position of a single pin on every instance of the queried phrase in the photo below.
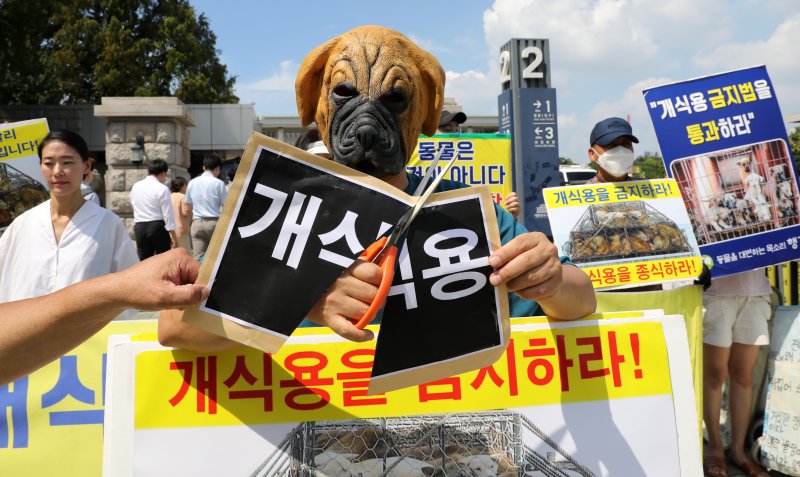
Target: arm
(39, 330)
(530, 267)
(177, 334)
(186, 209)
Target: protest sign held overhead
(294, 222)
(723, 140)
(624, 233)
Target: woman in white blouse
(66, 239)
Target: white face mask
(617, 161)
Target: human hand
(512, 204)
(529, 266)
(348, 297)
(163, 281)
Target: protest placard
(624, 233)
(723, 140)
(52, 420)
(483, 159)
(21, 182)
(597, 397)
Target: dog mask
(371, 92)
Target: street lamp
(137, 150)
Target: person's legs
(202, 230)
(143, 246)
(742, 361)
(160, 239)
(715, 371)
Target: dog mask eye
(344, 91)
(396, 100)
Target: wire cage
(18, 193)
(624, 230)
(738, 192)
(453, 445)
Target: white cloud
(428, 45)
(283, 80)
(273, 95)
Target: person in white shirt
(204, 199)
(153, 216)
(66, 239)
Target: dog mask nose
(367, 136)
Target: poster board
(601, 396)
(624, 234)
(47, 412)
(781, 439)
(21, 183)
(293, 222)
(724, 141)
(483, 159)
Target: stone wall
(163, 122)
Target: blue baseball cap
(607, 130)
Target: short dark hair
(231, 174)
(211, 162)
(157, 166)
(71, 139)
(177, 184)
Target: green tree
(130, 48)
(25, 28)
(651, 165)
(565, 161)
(794, 143)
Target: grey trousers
(202, 230)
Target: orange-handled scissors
(383, 252)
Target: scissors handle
(386, 261)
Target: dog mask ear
(434, 78)
(310, 77)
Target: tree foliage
(651, 165)
(794, 143)
(97, 48)
(565, 161)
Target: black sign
(295, 229)
(441, 300)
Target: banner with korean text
(624, 233)
(483, 159)
(52, 420)
(596, 397)
(21, 182)
(724, 141)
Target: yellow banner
(686, 301)
(329, 381)
(52, 420)
(483, 159)
(21, 139)
(608, 193)
(645, 272)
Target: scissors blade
(428, 173)
(406, 219)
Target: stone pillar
(164, 122)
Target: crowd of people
(87, 271)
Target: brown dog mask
(371, 91)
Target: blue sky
(603, 52)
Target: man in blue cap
(611, 149)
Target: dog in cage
(716, 215)
(784, 189)
(753, 183)
(743, 213)
(786, 207)
(778, 173)
(729, 200)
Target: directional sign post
(527, 111)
